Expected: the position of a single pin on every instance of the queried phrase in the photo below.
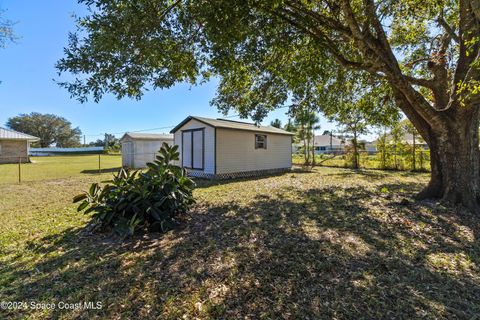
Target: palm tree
(303, 134)
(290, 126)
(276, 123)
(313, 123)
(307, 122)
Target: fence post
(99, 166)
(19, 169)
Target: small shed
(218, 148)
(14, 146)
(140, 148)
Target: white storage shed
(217, 148)
(140, 148)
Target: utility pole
(84, 141)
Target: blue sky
(27, 72)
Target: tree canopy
(6, 31)
(274, 52)
(265, 50)
(51, 129)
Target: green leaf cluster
(135, 200)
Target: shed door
(193, 148)
(186, 149)
(197, 137)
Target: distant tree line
(52, 130)
(110, 143)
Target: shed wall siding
(12, 151)
(127, 152)
(145, 151)
(136, 152)
(236, 151)
(209, 165)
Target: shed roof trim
(147, 136)
(227, 124)
(15, 135)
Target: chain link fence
(34, 168)
(418, 161)
(39, 168)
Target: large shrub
(134, 200)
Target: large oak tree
(51, 129)
(266, 52)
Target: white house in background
(328, 144)
(325, 144)
(419, 142)
(408, 139)
(140, 148)
(14, 146)
(217, 148)
(370, 147)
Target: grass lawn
(332, 243)
(54, 167)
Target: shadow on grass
(366, 173)
(103, 170)
(206, 183)
(320, 253)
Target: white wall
(209, 165)
(236, 151)
(140, 152)
(127, 153)
(145, 151)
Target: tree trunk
(313, 148)
(452, 136)
(305, 159)
(395, 154)
(307, 152)
(455, 161)
(384, 149)
(355, 150)
(413, 154)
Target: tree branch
(322, 19)
(290, 16)
(427, 83)
(441, 21)
(168, 9)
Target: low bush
(136, 200)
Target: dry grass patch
(331, 243)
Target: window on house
(260, 141)
(0, 148)
(323, 148)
